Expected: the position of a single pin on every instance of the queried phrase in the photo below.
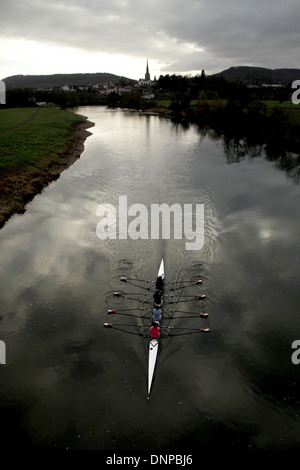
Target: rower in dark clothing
(160, 283)
(157, 297)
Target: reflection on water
(71, 384)
(289, 162)
(238, 147)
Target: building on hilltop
(147, 80)
(147, 74)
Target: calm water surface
(69, 383)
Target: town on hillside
(116, 91)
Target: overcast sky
(117, 36)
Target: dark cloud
(182, 35)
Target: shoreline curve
(19, 188)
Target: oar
(119, 312)
(119, 294)
(195, 283)
(136, 284)
(196, 297)
(109, 325)
(113, 310)
(187, 331)
(125, 279)
(191, 315)
(201, 314)
(202, 330)
(126, 295)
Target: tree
(113, 100)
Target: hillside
(48, 81)
(260, 75)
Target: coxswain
(156, 313)
(157, 297)
(154, 331)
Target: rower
(160, 283)
(154, 331)
(157, 297)
(156, 314)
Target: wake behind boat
(166, 296)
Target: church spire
(147, 74)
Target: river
(70, 383)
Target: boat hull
(154, 343)
(153, 351)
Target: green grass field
(291, 110)
(34, 138)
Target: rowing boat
(171, 297)
(154, 343)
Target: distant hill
(49, 81)
(260, 75)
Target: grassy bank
(36, 145)
(35, 138)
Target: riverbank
(274, 125)
(37, 145)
